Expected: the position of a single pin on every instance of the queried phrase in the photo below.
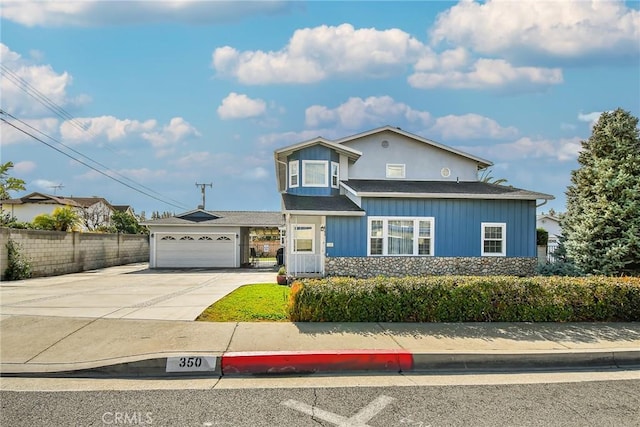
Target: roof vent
(385, 144)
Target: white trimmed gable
(387, 151)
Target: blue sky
(161, 95)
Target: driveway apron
(125, 292)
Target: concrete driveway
(125, 292)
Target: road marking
(358, 420)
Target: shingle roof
(439, 189)
(223, 218)
(319, 204)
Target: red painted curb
(280, 362)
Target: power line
(87, 165)
(84, 156)
(26, 87)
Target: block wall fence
(52, 253)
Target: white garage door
(193, 250)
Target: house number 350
(190, 362)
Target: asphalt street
(595, 403)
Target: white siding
(422, 162)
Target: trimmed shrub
(465, 299)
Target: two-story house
(388, 202)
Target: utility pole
(202, 187)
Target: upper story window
(395, 170)
(494, 239)
(294, 174)
(315, 173)
(335, 175)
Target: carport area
(125, 292)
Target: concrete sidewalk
(61, 346)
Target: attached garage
(195, 250)
(205, 239)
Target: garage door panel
(199, 251)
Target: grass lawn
(250, 303)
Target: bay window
(314, 173)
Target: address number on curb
(191, 364)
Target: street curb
(340, 361)
(304, 362)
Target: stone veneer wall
(418, 266)
(57, 252)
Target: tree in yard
(61, 219)
(487, 178)
(123, 222)
(8, 183)
(602, 222)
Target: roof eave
(507, 196)
(324, 213)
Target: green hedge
(465, 299)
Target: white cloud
(87, 13)
(488, 74)
(314, 54)
(163, 140)
(471, 126)
(24, 167)
(372, 111)
(46, 185)
(10, 135)
(591, 118)
(240, 106)
(24, 77)
(557, 29)
(565, 149)
(85, 129)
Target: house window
(401, 236)
(294, 173)
(315, 173)
(303, 238)
(335, 175)
(494, 239)
(395, 170)
(375, 237)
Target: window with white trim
(294, 174)
(303, 238)
(401, 236)
(335, 175)
(315, 173)
(395, 170)
(494, 239)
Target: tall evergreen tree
(602, 223)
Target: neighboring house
(387, 202)
(206, 239)
(93, 212)
(124, 208)
(552, 225)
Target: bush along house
(387, 202)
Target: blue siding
(457, 225)
(316, 152)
